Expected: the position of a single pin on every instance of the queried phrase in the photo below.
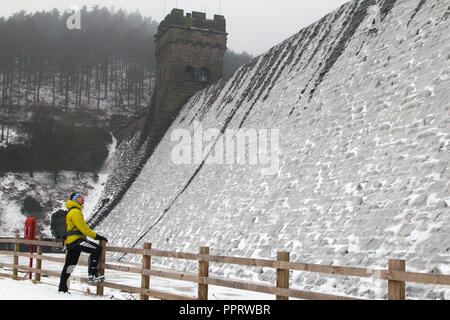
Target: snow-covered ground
(14, 187)
(27, 290)
(13, 137)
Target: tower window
(203, 74)
(189, 73)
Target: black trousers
(74, 250)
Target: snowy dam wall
(360, 104)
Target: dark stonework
(189, 52)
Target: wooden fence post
(37, 275)
(282, 275)
(146, 265)
(101, 268)
(203, 271)
(16, 257)
(397, 289)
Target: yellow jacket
(75, 221)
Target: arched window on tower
(189, 73)
(204, 75)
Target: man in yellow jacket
(76, 242)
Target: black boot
(63, 288)
(96, 278)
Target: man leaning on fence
(76, 242)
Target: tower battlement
(196, 20)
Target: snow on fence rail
(395, 274)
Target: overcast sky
(253, 25)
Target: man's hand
(99, 237)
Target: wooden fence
(395, 275)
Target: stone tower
(189, 53)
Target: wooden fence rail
(396, 274)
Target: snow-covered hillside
(361, 103)
(51, 194)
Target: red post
(30, 234)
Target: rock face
(360, 100)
